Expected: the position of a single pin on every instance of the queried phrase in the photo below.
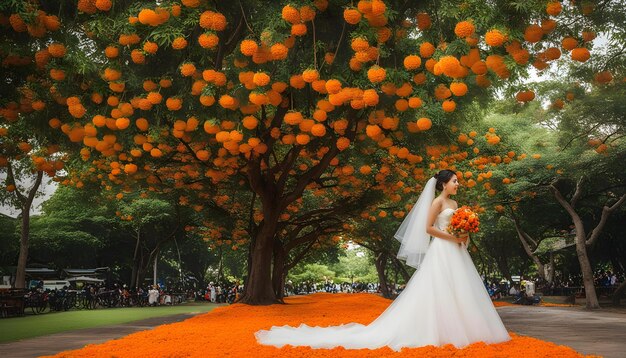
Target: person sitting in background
(153, 296)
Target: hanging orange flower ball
(424, 124)
(533, 33)
(298, 29)
(412, 62)
(603, 77)
(187, 69)
(423, 21)
(427, 49)
(250, 122)
(458, 88)
(279, 51)
(464, 29)
(208, 40)
(352, 16)
(580, 54)
(450, 66)
(174, 104)
(57, 50)
(495, 38)
(553, 8)
(448, 106)
(370, 97)
(303, 139)
(290, 14)
(213, 21)
(525, 96)
(261, 79)
(310, 75)
(343, 143)
(569, 43)
(318, 130)
(179, 43)
(248, 47)
(103, 5)
(376, 74)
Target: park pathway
(58, 342)
(602, 332)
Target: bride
(444, 302)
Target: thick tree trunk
(27, 202)
(259, 289)
(619, 293)
(585, 265)
(381, 264)
(581, 243)
(271, 185)
(400, 268)
(585, 268)
(279, 272)
(526, 241)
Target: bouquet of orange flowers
(464, 220)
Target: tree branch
(316, 171)
(11, 180)
(606, 212)
(577, 193)
(559, 197)
(581, 135)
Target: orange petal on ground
(502, 304)
(229, 331)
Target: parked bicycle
(36, 300)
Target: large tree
(292, 96)
(573, 183)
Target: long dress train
(444, 302)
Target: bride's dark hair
(443, 177)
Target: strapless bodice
(443, 219)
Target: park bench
(11, 304)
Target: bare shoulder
(450, 204)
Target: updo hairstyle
(443, 177)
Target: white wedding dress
(444, 302)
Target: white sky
(47, 188)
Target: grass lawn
(12, 329)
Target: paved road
(58, 342)
(601, 332)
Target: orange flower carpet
(228, 331)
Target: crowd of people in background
(329, 286)
(92, 295)
(151, 295)
(224, 292)
(605, 281)
(570, 285)
(524, 290)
